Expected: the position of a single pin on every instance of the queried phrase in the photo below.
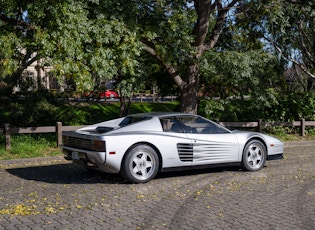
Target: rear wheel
(140, 165)
(254, 156)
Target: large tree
(84, 38)
(178, 33)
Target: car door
(177, 138)
(210, 142)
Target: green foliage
(33, 110)
(239, 74)
(46, 109)
(275, 107)
(8, 44)
(287, 27)
(26, 145)
(88, 42)
(155, 107)
(74, 37)
(93, 47)
(86, 114)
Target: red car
(108, 94)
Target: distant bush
(275, 107)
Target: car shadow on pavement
(75, 174)
(192, 172)
(64, 174)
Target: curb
(35, 160)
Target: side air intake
(185, 152)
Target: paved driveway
(50, 193)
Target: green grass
(26, 146)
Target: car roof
(161, 114)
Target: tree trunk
(125, 103)
(122, 106)
(189, 90)
(189, 100)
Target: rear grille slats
(79, 143)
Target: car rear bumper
(90, 159)
(70, 153)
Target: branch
(151, 51)
(171, 70)
(304, 69)
(203, 20)
(303, 36)
(222, 12)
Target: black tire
(254, 156)
(140, 165)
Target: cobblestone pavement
(50, 193)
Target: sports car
(139, 146)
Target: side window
(166, 124)
(188, 124)
(208, 127)
(171, 125)
(200, 125)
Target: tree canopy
(287, 28)
(223, 46)
(72, 36)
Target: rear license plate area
(75, 156)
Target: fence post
(302, 127)
(7, 136)
(59, 133)
(259, 127)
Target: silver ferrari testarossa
(138, 146)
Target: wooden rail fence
(58, 128)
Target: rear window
(131, 120)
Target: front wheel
(254, 156)
(140, 165)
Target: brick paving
(50, 193)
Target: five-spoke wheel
(254, 156)
(141, 164)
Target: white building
(35, 76)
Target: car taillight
(98, 145)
